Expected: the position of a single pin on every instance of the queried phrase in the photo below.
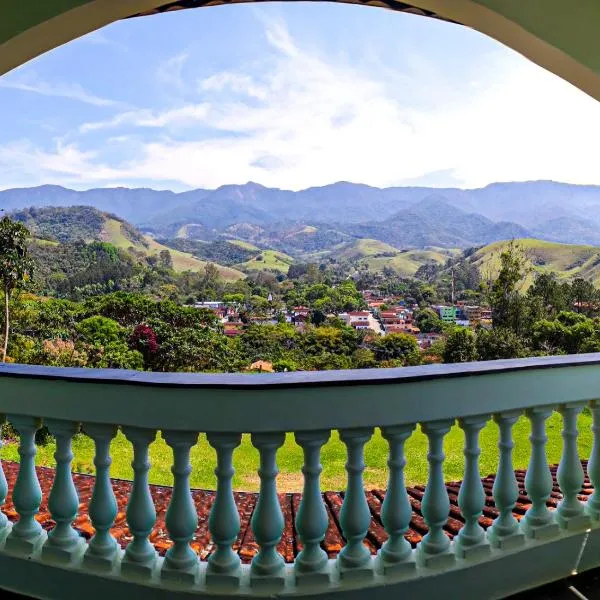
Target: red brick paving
(245, 544)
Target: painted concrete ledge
(290, 545)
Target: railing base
(511, 542)
(405, 568)
(541, 532)
(576, 523)
(23, 546)
(64, 555)
(500, 574)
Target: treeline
(131, 331)
(552, 317)
(220, 252)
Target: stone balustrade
(511, 555)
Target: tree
(100, 331)
(497, 343)
(165, 260)
(428, 321)
(396, 346)
(509, 307)
(584, 295)
(553, 295)
(460, 346)
(569, 333)
(16, 266)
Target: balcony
(509, 555)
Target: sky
(290, 95)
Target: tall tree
(15, 266)
(509, 307)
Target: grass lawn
(333, 457)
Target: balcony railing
(510, 556)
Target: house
(211, 304)
(472, 313)
(376, 304)
(390, 318)
(360, 315)
(425, 340)
(446, 313)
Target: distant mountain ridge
(401, 216)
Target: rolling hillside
(183, 261)
(377, 255)
(71, 224)
(268, 259)
(566, 260)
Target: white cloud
(235, 82)
(170, 71)
(151, 119)
(71, 91)
(299, 119)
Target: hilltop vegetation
(224, 252)
(378, 257)
(568, 261)
(268, 259)
(72, 225)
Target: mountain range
(319, 217)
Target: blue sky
(290, 95)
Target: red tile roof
(245, 544)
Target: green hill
(377, 255)
(268, 259)
(184, 261)
(74, 223)
(566, 260)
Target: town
(384, 315)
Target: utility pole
(453, 293)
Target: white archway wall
(557, 20)
(558, 35)
(66, 27)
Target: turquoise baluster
(592, 506)
(267, 521)
(224, 522)
(355, 517)
(570, 513)
(102, 552)
(27, 534)
(471, 540)
(538, 522)
(181, 562)
(140, 555)
(64, 544)
(396, 555)
(5, 524)
(311, 565)
(434, 549)
(505, 532)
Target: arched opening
(311, 406)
